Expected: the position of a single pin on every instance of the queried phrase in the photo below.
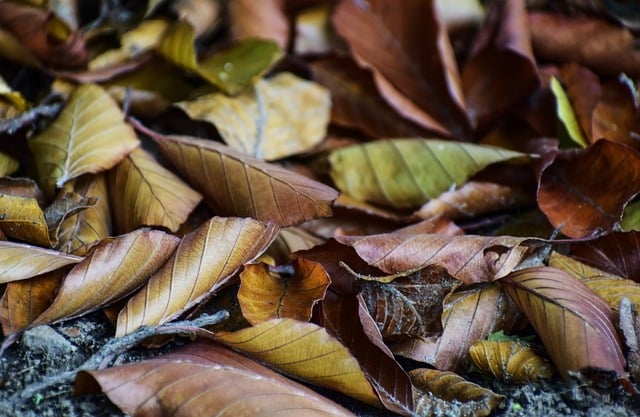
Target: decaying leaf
(22, 218)
(306, 351)
(617, 253)
(468, 315)
(264, 19)
(21, 261)
(279, 117)
(408, 306)
(566, 115)
(510, 361)
(204, 261)
(573, 322)
(467, 258)
(268, 294)
(446, 393)
(236, 184)
(113, 269)
(88, 136)
(205, 376)
(405, 173)
(144, 193)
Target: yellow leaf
(279, 117)
(88, 136)
(510, 361)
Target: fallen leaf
(468, 258)
(144, 193)
(567, 117)
(501, 71)
(264, 19)
(400, 307)
(266, 294)
(22, 218)
(355, 101)
(408, 50)
(112, 270)
(573, 322)
(88, 136)
(245, 186)
(203, 377)
(510, 361)
(446, 393)
(313, 32)
(204, 261)
(468, 315)
(22, 261)
(306, 351)
(617, 253)
(583, 90)
(405, 173)
(78, 232)
(616, 117)
(584, 192)
(279, 117)
(629, 324)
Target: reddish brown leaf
(468, 258)
(356, 102)
(602, 46)
(408, 50)
(114, 268)
(501, 71)
(573, 323)
(205, 378)
(617, 253)
(236, 184)
(616, 117)
(265, 294)
(468, 315)
(264, 19)
(583, 89)
(584, 192)
(205, 260)
(30, 25)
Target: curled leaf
(446, 393)
(204, 261)
(266, 294)
(510, 361)
(21, 261)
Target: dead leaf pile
(368, 179)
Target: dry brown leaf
(205, 377)
(144, 193)
(573, 322)
(306, 351)
(446, 393)
(236, 184)
(267, 293)
(112, 270)
(88, 136)
(22, 218)
(468, 315)
(204, 261)
(264, 19)
(510, 361)
(21, 261)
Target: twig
(29, 117)
(116, 346)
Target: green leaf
(567, 116)
(405, 173)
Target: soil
(47, 351)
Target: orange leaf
(264, 19)
(573, 323)
(238, 185)
(113, 269)
(202, 379)
(204, 261)
(265, 294)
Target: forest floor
(47, 351)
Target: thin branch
(115, 346)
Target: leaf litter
(325, 191)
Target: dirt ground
(50, 350)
